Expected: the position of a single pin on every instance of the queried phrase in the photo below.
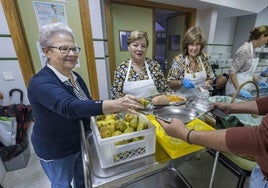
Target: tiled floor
(30, 177)
(197, 171)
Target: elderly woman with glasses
(139, 75)
(60, 99)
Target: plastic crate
(176, 147)
(111, 154)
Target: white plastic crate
(111, 154)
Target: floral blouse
(121, 72)
(180, 66)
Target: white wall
(223, 38)
(11, 67)
(206, 19)
(226, 34)
(230, 34)
(10, 74)
(100, 47)
(247, 5)
(221, 48)
(243, 26)
(262, 17)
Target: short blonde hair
(136, 35)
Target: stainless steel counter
(120, 174)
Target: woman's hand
(225, 107)
(176, 128)
(244, 93)
(208, 83)
(129, 102)
(125, 103)
(188, 84)
(174, 84)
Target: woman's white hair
(48, 31)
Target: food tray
(181, 112)
(177, 147)
(111, 154)
(182, 101)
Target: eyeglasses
(66, 50)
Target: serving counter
(142, 169)
(123, 174)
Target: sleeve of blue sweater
(46, 91)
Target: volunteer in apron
(245, 63)
(140, 88)
(191, 69)
(139, 76)
(197, 78)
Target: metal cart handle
(85, 156)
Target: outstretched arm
(248, 107)
(211, 139)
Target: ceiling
(230, 9)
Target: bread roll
(160, 100)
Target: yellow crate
(176, 147)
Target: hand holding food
(144, 102)
(129, 102)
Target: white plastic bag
(8, 130)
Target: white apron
(140, 88)
(198, 78)
(243, 77)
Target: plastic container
(111, 154)
(176, 147)
(20, 161)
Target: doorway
(163, 42)
(169, 29)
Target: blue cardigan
(56, 112)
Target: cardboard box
(20, 161)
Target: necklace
(136, 67)
(194, 75)
(193, 68)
